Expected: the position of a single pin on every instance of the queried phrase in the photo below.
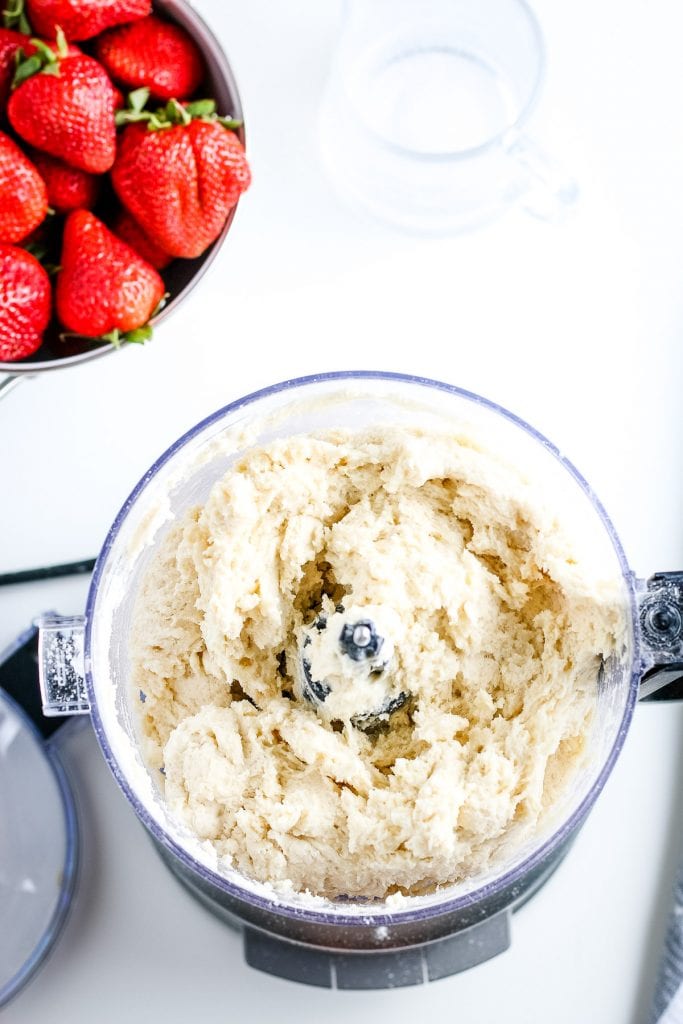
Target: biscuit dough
(497, 631)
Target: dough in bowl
(498, 630)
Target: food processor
(85, 666)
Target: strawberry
(83, 19)
(24, 303)
(104, 289)
(23, 195)
(181, 182)
(152, 53)
(127, 228)
(68, 188)
(64, 105)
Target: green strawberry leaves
(200, 108)
(173, 113)
(136, 104)
(45, 61)
(14, 17)
(137, 337)
(205, 110)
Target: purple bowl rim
(490, 889)
(21, 369)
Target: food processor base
(367, 969)
(378, 970)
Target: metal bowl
(181, 275)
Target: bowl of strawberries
(121, 165)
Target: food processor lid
(38, 847)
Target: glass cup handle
(548, 192)
(61, 665)
(660, 609)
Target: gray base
(413, 963)
(377, 970)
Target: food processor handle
(660, 610)
(61, 665)
(378, 970)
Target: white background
(576, 327)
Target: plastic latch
(61, 665)
(660, 610)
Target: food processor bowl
(345, 943)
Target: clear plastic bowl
(182, 477)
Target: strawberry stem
(137, 99)
(174, 113)
(14, 16)
(62, 45)
(44, 61)
(201, 108)
(139, 336)
(136, 337)
(134, 111)
(47, 55)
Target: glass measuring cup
(421, 122)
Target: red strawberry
(83, 19)
(24, 303)
(68, 188)
(66, 109)
(181, 182)
(155, 54)
(127, 228)
(23, 195)
(104, 288)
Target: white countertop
(576, 327)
